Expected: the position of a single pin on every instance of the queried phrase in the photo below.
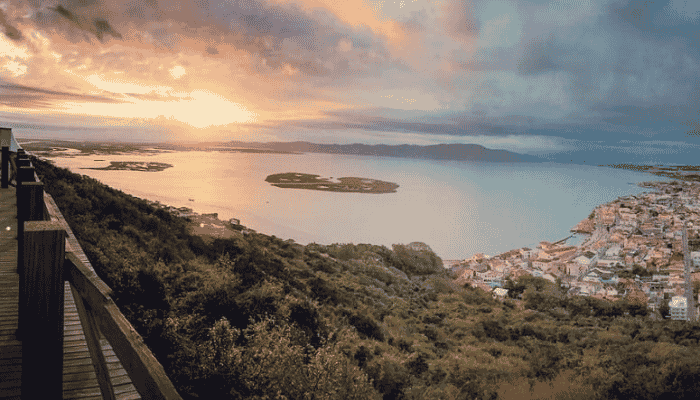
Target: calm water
(458, 208)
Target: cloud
(459, 21)
(298, 35)
(95, 25)
(19, 96)
(10, 31)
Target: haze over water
(458, 208)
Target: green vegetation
(258, 317)
(293, 180)
(134, 166)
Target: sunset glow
(340, 71)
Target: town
(634, 248)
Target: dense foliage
(255, 316)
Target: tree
(664, 309)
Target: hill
(455, 151)
(255, 316)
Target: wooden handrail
(99, 314)
(145, 371)
(94, 297)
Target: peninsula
(294, 180)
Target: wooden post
(25, 173)
(31, 196)
(4, 179)
(42, 327)
(5, 139)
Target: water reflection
(458, 208)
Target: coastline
(458, 221)
(631, 235)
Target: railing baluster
(92, 337)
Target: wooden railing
(46, 259)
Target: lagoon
(458, 208)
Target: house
(679, 308)
(492, 278)
(585, 289)
(526, 252)
(583, 261)
(500, 293)
(607, 262)
(603, 273)
(695, 255)
(613, 251)
(592, 277)
(573, 268)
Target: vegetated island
(295, 180)
(134, 166)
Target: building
(679, 308)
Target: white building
(679, 308)
(613, 251)
(583, 260)
(695, 255)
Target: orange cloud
(358, 14)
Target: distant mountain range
(455, 151)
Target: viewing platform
(61, 335)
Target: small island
(134, 166)
(294, 180)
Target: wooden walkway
(79, 379)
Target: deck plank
(10, 347)
(79, 380)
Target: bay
(458, 208)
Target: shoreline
(627, 237)
(454, 242)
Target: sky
(583, 81)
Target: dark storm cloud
(637, 68)
(10, 31)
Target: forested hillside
(256, 316)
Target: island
(295, 180)
(134, 166)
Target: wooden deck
(79, 379)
